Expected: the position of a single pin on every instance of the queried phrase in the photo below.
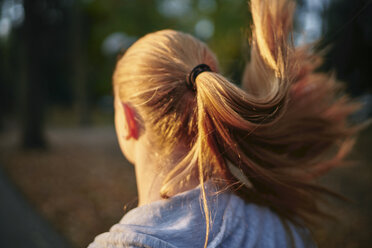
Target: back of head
(273, 138)
(152, 75)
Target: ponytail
(284, 127)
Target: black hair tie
(194, 73)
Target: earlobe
(131, 122)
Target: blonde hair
(284, 127)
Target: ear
(130, 121)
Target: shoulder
(251, 225)
(121, 236)
(163, 224)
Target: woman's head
(286, 127)
(151, 77)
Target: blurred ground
(353, 227)
(83, 185)
(20, 225)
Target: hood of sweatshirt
(180, 222)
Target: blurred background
(58, 148)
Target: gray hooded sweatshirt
(179, 222)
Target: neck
(151, 170)
(149, 180)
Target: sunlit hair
(272, 137)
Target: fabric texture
(179, 222)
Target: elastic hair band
(194, 73)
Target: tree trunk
(33, 104)
(79, 69)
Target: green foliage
(231, 20)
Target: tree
(44, 40)
(347, 29)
